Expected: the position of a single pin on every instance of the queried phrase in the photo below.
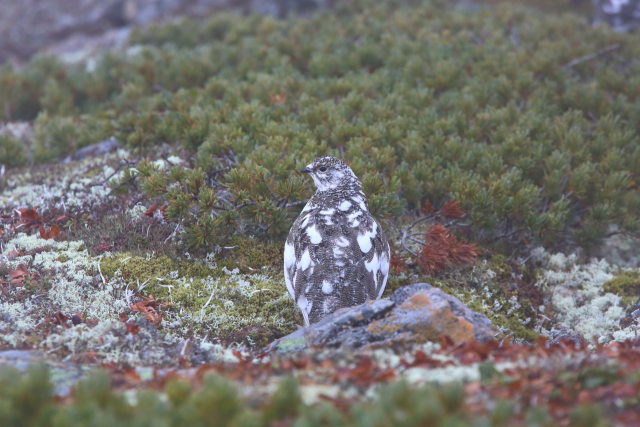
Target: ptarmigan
(336, 254)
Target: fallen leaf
(152, 209)
(278, 98)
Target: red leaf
(153, 317)
(30, 215)
(17, 273)
(163, 210)
(443, 249)
(102, 247)
(131, 377)
(427, 208)
(29, 218)
(53, 233)
(132, 328)
(420, 358)
(152, 209)
(278, 98)
(398, 263)
(452, 210)
(151, 308)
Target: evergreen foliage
(28, 399)
(425, 101)
(12, 151)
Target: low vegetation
(498, 146)
(490, 106)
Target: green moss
(152, 270)
(513, 325)
(250, 254)
(233, 307)
(625, 284)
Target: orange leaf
(427, 208)
(452, 210)
(30, 215)
(278, 98)
(398, 263)
(132, 328)
(442, 249)
(152, 209)
(53, 233)
(17, 273)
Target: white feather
(327, 287)
(289, 261)
(305, 221)
(364, 241)
(352, 218)
(307, 207)
(314, 235)
(305, 307)
(384, 264)
(353, 215)
(305, 260)
(360, 202)
(345, 205)
(373, 267)
(342, 242)
(289, 255)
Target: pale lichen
(63, 186)
(579, 298)
(208, 299)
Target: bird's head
(330, 172)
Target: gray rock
(66, 27)
(343, 328)
(413, 314)
(99, 148)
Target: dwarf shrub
(28, 399)
(12, 151)
(491, 106)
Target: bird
(336, 254)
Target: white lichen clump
(71, 185)
(578, 297)
(74, 284)
(73, 287)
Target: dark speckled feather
(336, 254)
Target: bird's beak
(305, 170)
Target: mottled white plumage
(336, 254)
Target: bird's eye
(322, 168)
